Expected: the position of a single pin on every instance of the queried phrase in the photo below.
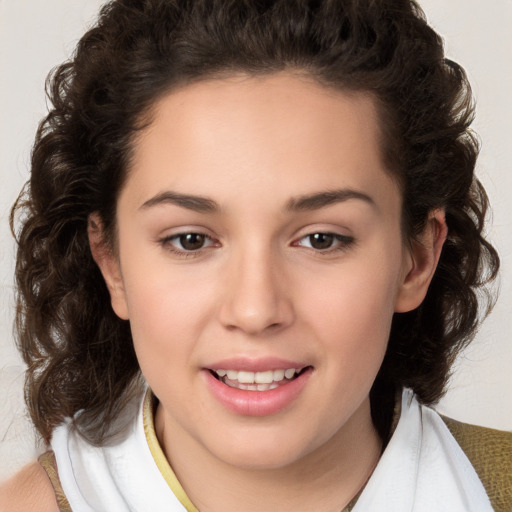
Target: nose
(256, 296)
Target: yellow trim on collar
(158, 455)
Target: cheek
(360, 297)
(352, 313)
(167, 313)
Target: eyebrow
(320, 200)
(196, 203)
(308, 202)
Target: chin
(259, 454)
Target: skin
(30, 489)
(259, 288)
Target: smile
(257, 386)
(257, 381)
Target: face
(260, 261)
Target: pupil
(192, 241)
(321, 240)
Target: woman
(266, 214)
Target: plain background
(35, 36)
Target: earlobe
(108, 264)
(422, 261)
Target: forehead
(280, 133)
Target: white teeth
(232, 374)
(264, 377)
(257, 381)
(278, 375)
(289, 373)
(245, 377)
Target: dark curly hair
(79, 354)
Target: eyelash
(167, 243)
(344, 243)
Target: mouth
(259, 387)
(257, 381)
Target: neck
(326, 479)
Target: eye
(325, 241)
(188, 242)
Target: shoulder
(490, 453)
(30, 489)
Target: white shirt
(423, 469)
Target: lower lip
(257, 403)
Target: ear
(421, 263)
(108, 262)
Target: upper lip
(255, 365)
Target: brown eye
(325, 242)
(321, 240)
(188, 243)
(192, 241)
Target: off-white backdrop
(37, 35)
